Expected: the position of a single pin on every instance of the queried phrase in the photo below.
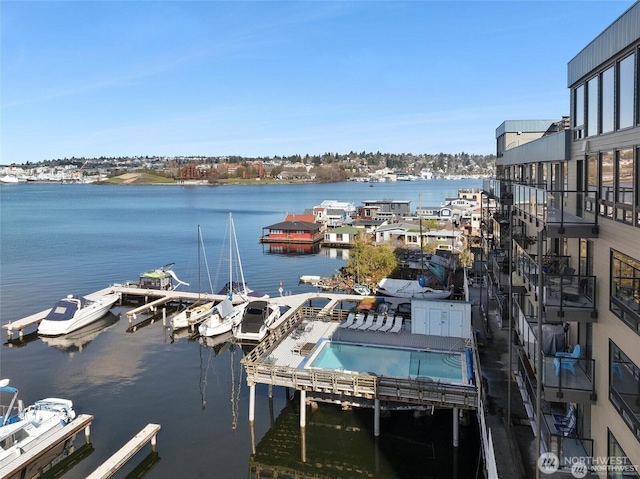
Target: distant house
(307, 218)
(343, 236)
(334, 213)
(292, 232)
(384, 209)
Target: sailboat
(226, 315)
(199, 311)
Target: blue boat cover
(63, 310)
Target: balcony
(499, 189)
(569, 448)
(570, 298)
(567, 379)
(559, 213)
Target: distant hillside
(140, 179)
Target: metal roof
(525, 126)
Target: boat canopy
(225, 308)
(8, 389)
(65, 309)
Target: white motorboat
(80, 338)
(73, 313)
(256, 321)
(22, 429)
(9, 179)
(224, 316)
(410, 288)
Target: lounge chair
(387, 325)
(568, 428)
(350, 319)
(397, 325)
(369, 322)
(378, 324)
(359, 321)
(566, 360)
(566, 417)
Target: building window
(624, 185)
(624, 297)
(578, 113)
(592, 107)
(607, 101)
(592, 180)
(625, 92)
(620, 466)
(606, 184)
(624, 387)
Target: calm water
(62, 239)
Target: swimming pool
(392, 362)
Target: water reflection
(77, 340)
(340, 443)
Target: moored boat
(257, 318)
(222, 319)
(410, 288)
(73, 313)
(23, 429)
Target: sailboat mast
(230, 258)
(235, 239)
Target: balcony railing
(557, 211)
(568, 294)
(568, 379)
(569, 448)
(499, 188)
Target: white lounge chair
(349, 321)
(397, 325)
(368, 323)
(378, 324)
(387, 325)
(359, 321)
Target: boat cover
(64, 310)
(225, 308)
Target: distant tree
(368, 263)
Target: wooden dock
(126, 452)
(83, 421)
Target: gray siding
(548, 148)
(619, 35)
(513, 126)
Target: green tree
(368, 263)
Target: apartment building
(563, 256)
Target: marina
(153, 370)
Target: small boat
(23, 429)
(80, 338)
(361, 289)
(257, 318)
(73, 313)
(161, 278)
(198, 311)
(310, 279)
(9, 179)
(410, 288)
(223, 318)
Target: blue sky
(111, 78)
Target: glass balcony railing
(565, 293)
(500, 189)
(570, 448)
(565, 375)
(562, 208)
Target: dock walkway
(83, 421)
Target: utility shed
(441, 318)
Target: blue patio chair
(566, 417)
(568, 428)
(566, 360)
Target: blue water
(393, 362)
(75, 239)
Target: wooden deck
(126, 452)
(277, 361)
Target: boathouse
(300, 232)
